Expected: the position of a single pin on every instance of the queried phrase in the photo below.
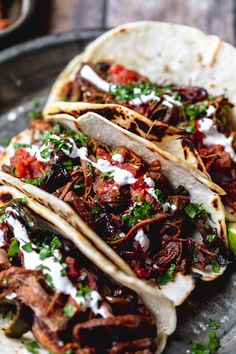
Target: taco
(188, 87)
(145, 209)
(54, 297)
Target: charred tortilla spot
(199, 167)
(222, 233)
(185, 154)
(133, 128)
(186, 143)
(215, 203)
(5, 197)
(142, 125)
(158, 131)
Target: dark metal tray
(26, 73)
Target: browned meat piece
(141, 346)
(81, 207)
(123, 327)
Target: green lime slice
(232, 237)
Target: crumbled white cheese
(213, 137)
(149, 181)
(118, 157)
(142, 239)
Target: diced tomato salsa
(121, 76)
(26, 166)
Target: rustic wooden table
(211, 16)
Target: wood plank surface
(67, 15)
(211, 16)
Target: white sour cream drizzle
(118, 158)
(1, 238)
(91, 76)
(120, 176)
(149, 181)
(142, 239)
(213, 137)
(54, 268)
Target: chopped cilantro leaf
(83, 290)
(5, 142)
(160, 196)
(27, 247)
(18, 146)
(32, 347)
(108, 175)
(210, 348)
(211, 237)
(36, 181)
(69, 310)
(95, 211)
(80, 138)
(3, 218)
(125, 93)
(138, 198)
(13, 249)
(196, 211)
(4, 282)
(139, 212)
(44, 253)
(215, 266)
(12, 171)
(57, 128)
(55, 243)
(213, 325)
(34, 115)
(49, 281)
(45, 153)
(168, 276)
(79, 186)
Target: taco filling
(130, 204)
(205, 118)
(50, 288)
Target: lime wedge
(232, 237)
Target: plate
(27, 72)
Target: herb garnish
(3, 218)
(139, 212)
(215, 266)
(45, 153)
(5, 142)
(32, 347)
(168, 276)
(69, 310)
(13, 249)
(196, 211)
(213, 341)
(79, 186)
(18, 146)
(125, 93)
(27, 247)
(36, 181)
(160, 196)
(95, 211)
(108, 175)
(83, 290)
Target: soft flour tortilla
(161, 308)
(166, 137)
(177, 171)
(165, 53)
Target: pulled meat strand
(157, 218)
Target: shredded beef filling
(150, 224)
(57, 320)
(190, 104)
